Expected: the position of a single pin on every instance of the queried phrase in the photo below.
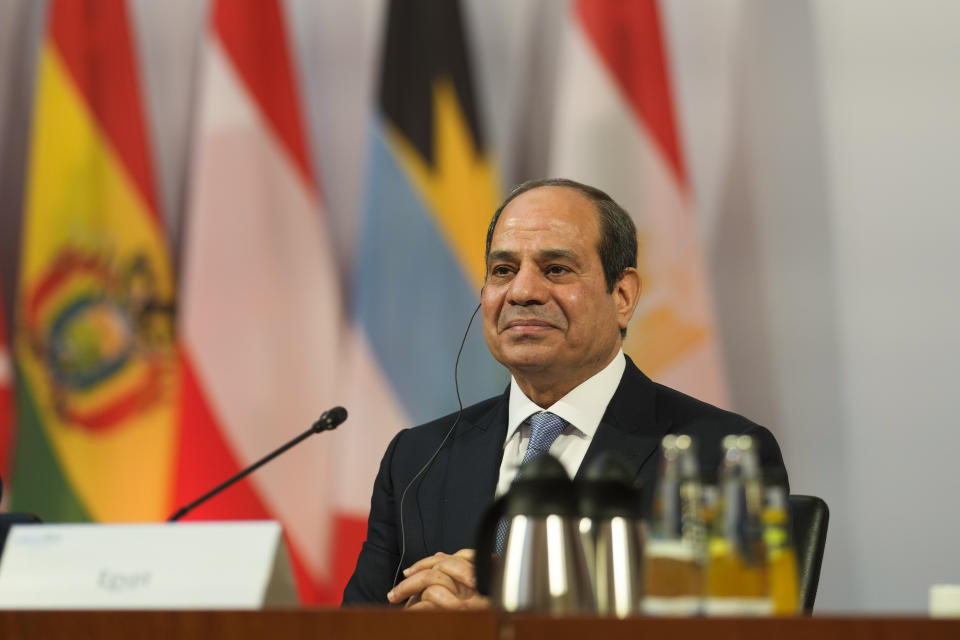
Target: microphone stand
(327, 422)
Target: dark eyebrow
(546, 254)
(557, 254)
(501, 256)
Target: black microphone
(326, 422)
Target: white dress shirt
(582, 408)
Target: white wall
(824, 140)
(891, 91)
(751, 103)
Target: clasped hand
(440, 581)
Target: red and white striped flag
(262, 325)
(615, 128)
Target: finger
(430, 561)
(466, 554)
(442, 597)
(416, 583)
(460, 570)
(476, 601)
(424, 563)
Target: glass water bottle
(675, 550)
(737, 577)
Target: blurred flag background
(261, 314)
(219, 219)
(431, 188)
(93, 331)
(615, 128)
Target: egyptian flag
(96, 366)
(261, 326)
(431, 190)
(615, 128)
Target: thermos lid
(606, 489)
(542, 488)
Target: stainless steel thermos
(543, 565)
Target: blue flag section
(430, 194)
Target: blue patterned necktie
(544, 429)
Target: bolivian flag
(93, 341)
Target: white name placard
(189, 565)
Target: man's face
(546, 310)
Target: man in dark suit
(560, 289)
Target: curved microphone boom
(328, 421)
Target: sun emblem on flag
(103, 335)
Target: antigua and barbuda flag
(96, 366)
(262, 327)
(615, 128)
(431, 191)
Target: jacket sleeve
(377, 563)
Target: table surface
(318, 624)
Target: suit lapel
(467, 474)
(630, 424)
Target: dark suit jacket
(441, 509)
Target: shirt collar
(583, 407)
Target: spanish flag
(94, 351)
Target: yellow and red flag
(94, 352)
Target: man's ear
(626, 294)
